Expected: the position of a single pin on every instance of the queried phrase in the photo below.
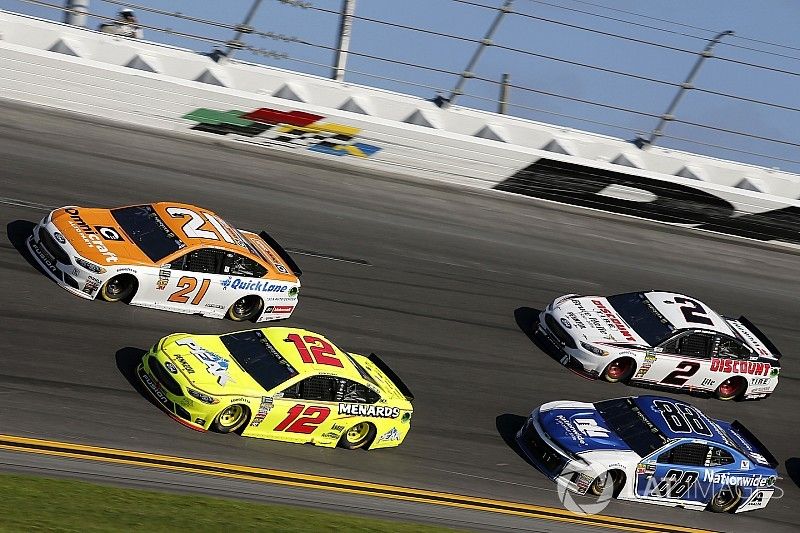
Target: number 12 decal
(321, 352)
(314, 416)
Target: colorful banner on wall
(290, 128)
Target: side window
(239, 265)
(718, 457)
(691, 344)
(205, 261)
(690, 454)
(350, 391)
(315, 388)
(730, 347)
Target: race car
(649, 449)
(661, 340)
(277, 383)
(169, 256)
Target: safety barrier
(163, 87)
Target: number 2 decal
(193, 227)
(682, 373)
(186, 285)
(693, 312)
(321, 352)
(314, 416)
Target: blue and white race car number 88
(682, 418)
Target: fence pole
(77, 12)
(486, 41)
(241, 29)
(685, 86)
(345, 31)
(502, 103)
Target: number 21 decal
(186, 285)
(193, 228)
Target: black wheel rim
(244, 307)
(115, 287)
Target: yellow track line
(263, 475)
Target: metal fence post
(685, 86)
(502, 103)
(77, 12)
(241, 29)
(486, 41)
(345, 30)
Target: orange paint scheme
(89, 229)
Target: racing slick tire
(731, 388)
(245, 308)
(119, 288)
(357, 436)
(619, 370)
(599, 484)
(725, 500)
(231, 418)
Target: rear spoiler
(383, 367)
(760, 336)
(751, 439)
(281, 252)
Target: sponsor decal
(735, 366)
(171, 367)
(216, 365)
(89, 235)
(573, 317)
(589, 427)
(570, 429)
(593, 320)
(294, 129)
(263, 410)
(278, 309)
(674, 203)
(330, 435)
(127, 269)
(252, 285)
(759, 381)
(614, 320)
(645, 468)
(735, 480)
(109, 233)
(91, 286)
(390, 435)
(184, 363)
(745, 464)
(758, 499)
(60, 238)
(708, 382)
(46, 260)
(337, 427)
(565, 323)
(154, 388)
(376, 411)
(215, 306)
(163, 279)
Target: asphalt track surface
(452, 282)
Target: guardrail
(168, 88)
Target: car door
(679, 360)
(193, 283)
(675, 475)
(302, 410)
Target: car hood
(96, 236)
(208, 366)
(591, 318)
(578, 427)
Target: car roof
(648, 406)
(177, 225)
(664, 302)
(286, 341)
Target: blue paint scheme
(702, 455)
(580, 430)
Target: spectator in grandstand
(125, 25)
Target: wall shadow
(127, 360)
(793, 469)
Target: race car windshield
(259, 358)
(639, 313)
(625, 419)
(148, 231)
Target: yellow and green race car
(285, 384)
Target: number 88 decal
(682, 418)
